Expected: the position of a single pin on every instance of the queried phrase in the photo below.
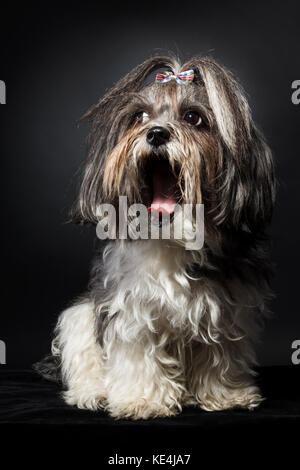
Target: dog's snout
(157, 136)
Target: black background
(56, 62)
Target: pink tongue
(164, 188)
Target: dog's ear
(105, 123)
(246, 186)
(227, 101)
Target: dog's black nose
(157, 136)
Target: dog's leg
(220, 377)
(142, 380)
(81, 357)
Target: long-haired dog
(162, 326)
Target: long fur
(160, 326)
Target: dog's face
(166, 145)
(166, 142)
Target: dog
(161, 326)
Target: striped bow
(183, 78)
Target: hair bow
(183, 78)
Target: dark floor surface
(32, 415)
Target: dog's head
(162, 142)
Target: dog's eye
(192, 117)
(141, 116)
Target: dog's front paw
(140, 409)
(247, 397)
(84, 400)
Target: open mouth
(162, 190)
